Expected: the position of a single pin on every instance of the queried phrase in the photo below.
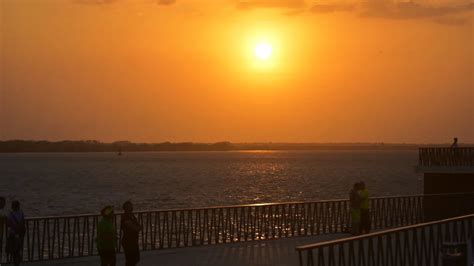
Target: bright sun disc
(263, 51)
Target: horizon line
(237, 143)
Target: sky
(186, 70)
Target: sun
(263, 51)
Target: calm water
(71, 183)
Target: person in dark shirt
(106, 237)
(15, 233)
(130, 229)
(455, 151)
(455, 143)
(3, 219)
(355, 202)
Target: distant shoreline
(24, 146)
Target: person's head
(15, 205)
(107, 212)
(127, 206)
(356, 185)
(2, 202)
(455, 140)
(361, 185)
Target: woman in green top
(364, 209)
(106, 237)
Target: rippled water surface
(71, 183)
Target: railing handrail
(248, 205)
(380, 233)
(446, 156)
(463, 147)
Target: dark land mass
(13, 146)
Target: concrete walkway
(258, 253)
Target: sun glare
(263, 51)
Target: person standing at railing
(106, 237)
(3, 218)
(455, 151)
(364, 209)
(354, 201)
(130, 229)
(455, 143)
(15, 233)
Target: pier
(445, 170)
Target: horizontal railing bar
(252, 205)
(445, 148)
(381, 233)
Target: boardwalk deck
(257, 253)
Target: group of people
(14, 223)
(15, 230)
(359, 208)
(107, 236)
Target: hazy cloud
(446, 14)
(101, 2)
(165, 2)
(410, 10)
(443, 14)
(329, 8)
(295, 11)
(252, 4)
(95, 2)
(452, 21)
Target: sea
(49, 184)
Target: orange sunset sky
(186, 70)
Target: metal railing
(50, 238)
(446, 156)
(415, 245)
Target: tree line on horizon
(12, 146)
(96, 146)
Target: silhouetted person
(354, 201)
(130, 228)
(15, 233)
(455, 151)
(106, 237)
(455, 143)
(364, 208)
(3, 218)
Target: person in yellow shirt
(364, 209)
